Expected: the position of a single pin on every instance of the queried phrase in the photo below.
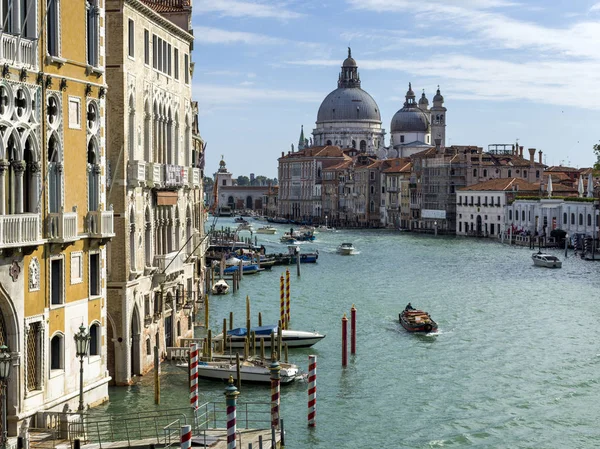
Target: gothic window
(170, 148)
(132, 247)
(57, 352)
(177, 239)
(131, 129)
(92, 117)
(95, 339)
(148, 346)
(188, 230)
(93, 169)
(148, 238)
(93, 13)
(329, 142)
(147, 117)
(363, 145)
(31, 181)
(176, 144)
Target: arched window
(54, 174)
(169, 138)
(363, 145)
(148, 237)
(475, 173)
(484, 172)
(537, 174)
(156, 135)
(95, 339)
(57, 352)
(565, 218)
(157, 340)
(524, 173)
(93, 169)
(329, 142)
(147, 118)
(523, 215)
(509, 173)
(132, 248)
(131, 130)
(354, 144)
(589, 219)
(148, 346)
(372, 206)
(179, 328)
(510, 214)
(176, 144)
(177, 238)
(572, 218)
(580, 219)
(372, 190)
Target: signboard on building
(433, 213)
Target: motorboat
(415, 320)
(220, 287)
(346, 249)
(324, 228)
(249, 268)
(253, 369)
(241, 220)
(236, 338)
(268, 229)
(546, 260)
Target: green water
(515, 363)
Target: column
(35, 169)
(18, 169)
(3, 166)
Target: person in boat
(409, 307)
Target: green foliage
(208, 181)
(597, 152)
(243, 181)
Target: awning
(166, 198)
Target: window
(56, 281)
(523, 215)
(75, 112)
(154, 51)
(589, 219)
(572, 218)
(56, 352)
(460, 226)
(509, 173)
(524, 173)
(372, 176)
(186, 68)
(92, 18)
(157, 339)
(565, 218)
(33, 364)
(95, 339)
(580, 219)
(169, 59)
(94, 274)
(510, 215)
(52, 19)
(148, 346)
(484, 173)
(76, 267)
(176, 62)
(146, 47)
(401, 139)
(131, 40)
(537, 173)
(474, 172)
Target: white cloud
(216, 95)
(595, 7)
(209, 35)
(234, 8)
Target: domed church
(348, 116)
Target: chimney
(540, 155)
(531, 155)
(521, 151)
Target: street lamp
(82, 341)
(435, 227)
(5, 360)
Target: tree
(243, 181)
(208, 181)
(597, 152)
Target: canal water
(515, 364)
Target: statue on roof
(349, 52)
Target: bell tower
(438, 119)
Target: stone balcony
(62, 227)
(17, 231)
(154, 174)
(169, 263)
(100, 224)
(18, 51)
(137, 173)
(194, 177)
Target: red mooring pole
(353, 330)
(344, 340)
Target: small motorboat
(220, 287)
(249, 268)
(236, 338)
(346, 249)
(323, 228)
(253, 369)
(241, 220)
(546, 260)
(268, 229)
(415, 320)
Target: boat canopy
(258, 330)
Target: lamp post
(5, 360)
(82, 341)
(435, 227)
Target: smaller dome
(222, 163)
(438, 96)
(349, 62)
(423, 100)
(410, 119)
(409, 92)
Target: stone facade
(157, 182)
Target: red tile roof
(161, 6)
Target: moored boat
(415, 320)
(546, 260)
(236, 338)
(266, 230)
(220, 287)
(251, 370)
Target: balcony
(62, 227)
(173, 177)
(18, 51)
(100, 224)
(19, 230)
(392, 189)
(154, 175)
(137, 173)
(194, 177)
(169, 263)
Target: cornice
(146, 10)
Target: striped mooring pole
(281, 301)
(186, 436)
(231, 393)
(287, 297)
(312, 390)
(194, 376)
(275, 380)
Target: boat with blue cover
(236, 338)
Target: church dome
(409, 119)
(349, 62)
(348, 104)
(438, 98)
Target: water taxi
(546, 260)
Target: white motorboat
(323, 228)
(236, 338)
(346, 249)
(546, 260)
(220, 287)
(251, 370)
(268, 229)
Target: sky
(508, 70)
